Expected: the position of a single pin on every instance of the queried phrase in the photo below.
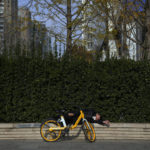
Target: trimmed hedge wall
(33, 89)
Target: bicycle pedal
(66, 130)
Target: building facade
(25, 29)
(33, 37)
(18, 28)
(1, 24)
(8, 22)
(39, 33)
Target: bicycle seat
(61, 112)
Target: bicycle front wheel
(50, 136)
(89, 131)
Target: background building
(33, 34)
(100, 36)
(8, 23)
(1, 24)
(25, 29)
(39, 37)
(18, 29)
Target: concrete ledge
(113, 125)
(20, 125)
(117, 131)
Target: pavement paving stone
(74, 145)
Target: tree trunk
(125, 51)
(124, 48)
(148, 29)
(69, 28)
(107, 35)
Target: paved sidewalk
(73, 145)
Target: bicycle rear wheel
(50, 136)
(89, 131)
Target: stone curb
(122, 131)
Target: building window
(1, 10)
(1, 27)
(90, 36)
(90, 45)
(1, 20)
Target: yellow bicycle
(51, 129)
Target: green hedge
(33, 89)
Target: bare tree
(66, 17)
(125, 19)
(121, 18)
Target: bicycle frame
(81, 116)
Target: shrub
(33, 89)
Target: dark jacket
(89, 113)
